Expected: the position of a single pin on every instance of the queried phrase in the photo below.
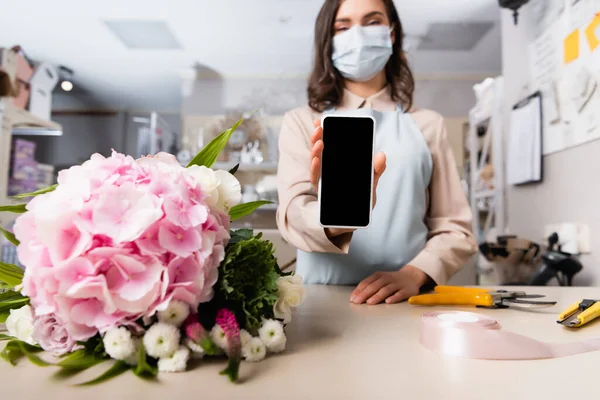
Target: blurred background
(147, 76)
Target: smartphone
(346, 184)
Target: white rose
(230, 191)
(291, 294)
(208, 181)
(20, 324)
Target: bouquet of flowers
(134, 261)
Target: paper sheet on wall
(544, 14)
(545, 57)
(580, 12)
(565, 68)
(579, 80)
(524, 161)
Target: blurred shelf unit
(17, 122)
(486, 162)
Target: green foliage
(240, 234)
(144, 369)
(232, 370)
(11, 300)
(9, 236)
(36, 193)
(233, 170)
(10, 274)
(17, 209)
(241, 210)
(247, 281)
(16, 349)
(80, 360)
(209, 154)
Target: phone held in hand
(346, 184)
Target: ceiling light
(67, 86)
(66, 76)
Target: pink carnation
(117, 241)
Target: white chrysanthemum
(218, 336)
(272, 335)
(245, 337)
(19, 324)
(134, 358)
(161, 340)
(230, 190)
(254, 350)
(177, 362)
(197, 351)
(175, 313)
(118, 343)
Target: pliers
(463, 296)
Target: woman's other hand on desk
(379, 164)
(391, 287)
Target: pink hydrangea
(118, 240)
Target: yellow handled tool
(458, 289)
(580, 313)
(453, 299)
(464, 296)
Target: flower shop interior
(142, 77)
(162, 198)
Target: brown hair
(326, 84)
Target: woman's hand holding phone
(379, 165)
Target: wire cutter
(580, 313)
(462, 296)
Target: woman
(420, 233)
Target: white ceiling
(233, 37)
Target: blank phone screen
(346, 171)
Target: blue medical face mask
(362, 52)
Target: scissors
(462, 296)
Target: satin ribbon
(470, 335)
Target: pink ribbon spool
(470, 335)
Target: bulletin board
(564, 59)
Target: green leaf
(117, 369)
(11, 274)
(233, 170)
(241, 210)
(143, 369)
(232, 370)
(80, 360)
(17, 209)
(209, 154)
(240, 235)
(209, 347)
(29, 352)
(5, 337)
(9, 236)
(3, 316)
(36, 193)
(12, 352)
(11, 300)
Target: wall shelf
(31, 131)
(15, 121)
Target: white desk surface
(337, 350)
